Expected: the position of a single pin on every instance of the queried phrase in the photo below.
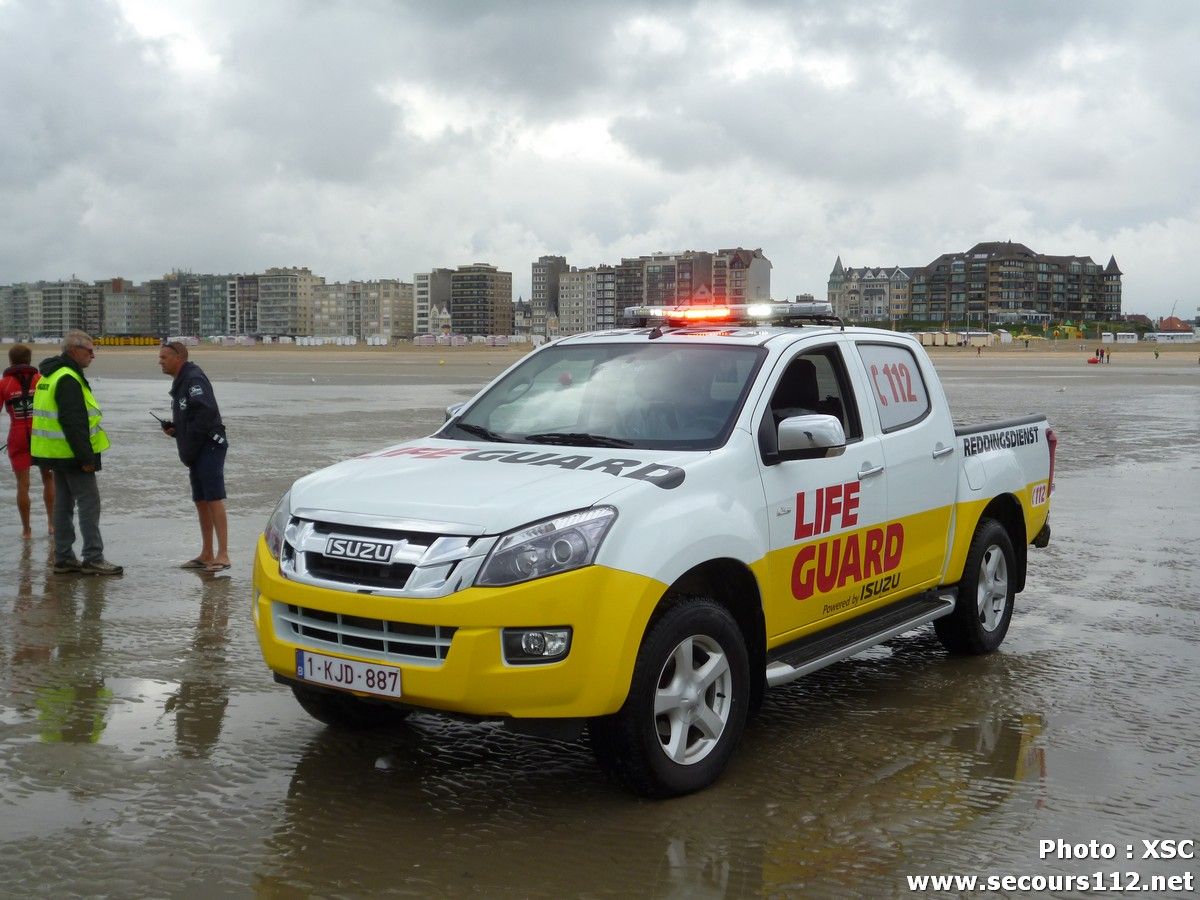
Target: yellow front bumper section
(607, 610)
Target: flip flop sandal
(194, 564)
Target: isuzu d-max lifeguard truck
(642, 529)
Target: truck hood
(482, 488)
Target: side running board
(806, 655)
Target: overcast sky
(377, 138)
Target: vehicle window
(816, 382)
(896, 384)
(652, 396)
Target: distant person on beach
(200, 439)
(16, 393)
(68, 438)
(1156, 353)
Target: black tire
(985, 594)
(685, 747)
(346, 711)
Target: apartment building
(873, 294)
(387, 309)
(993, 283)
(364, 309)
(431, 293)
(728, 275)
(285, 301)
(243, 308)
(586, 299)
(126, 308)
(44, 308)
(544, 293)
(481, 300)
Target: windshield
(647, 396)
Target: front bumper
(607, 610)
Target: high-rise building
(216, 294)
(630, 286)
(431, 293)
(14, 311)
(285, 301)
(586, 299)
(741, 276)
(387, 309)
(55, 307)
(729, 275)
(363, 309)
(243, 310)
(481, 300)
(544, 295)
(127, 308)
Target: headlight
(555, 545)
(277, 523)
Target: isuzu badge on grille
(364, 551)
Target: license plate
(348, 674)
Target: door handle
(939, 451)
(868, 470)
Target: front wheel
(687, 704)
(985, 594)
(346, 711)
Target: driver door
(826, 513)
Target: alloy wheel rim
(992, 596)
(693, 700)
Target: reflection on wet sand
(200, 700)
(58, 650)
(452, 810)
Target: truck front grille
(377, 639)
(421, 564)
(359, 573)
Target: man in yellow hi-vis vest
(67, 439)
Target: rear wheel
(985, 594)
(687, 704)
(345, 711)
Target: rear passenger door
(818, 507)
(918, 452)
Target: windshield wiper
(479, 431)
(580, 439)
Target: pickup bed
(641, 530)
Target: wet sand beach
(145, 750)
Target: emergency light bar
(736, 314)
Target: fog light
(530, 646)
(533, 643)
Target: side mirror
(453, 410)
(806, 437)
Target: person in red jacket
(16, 393)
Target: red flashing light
(698, 313)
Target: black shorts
(207, 473)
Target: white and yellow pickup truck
(641, 530)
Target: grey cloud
(802, 130)
(75, 89)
